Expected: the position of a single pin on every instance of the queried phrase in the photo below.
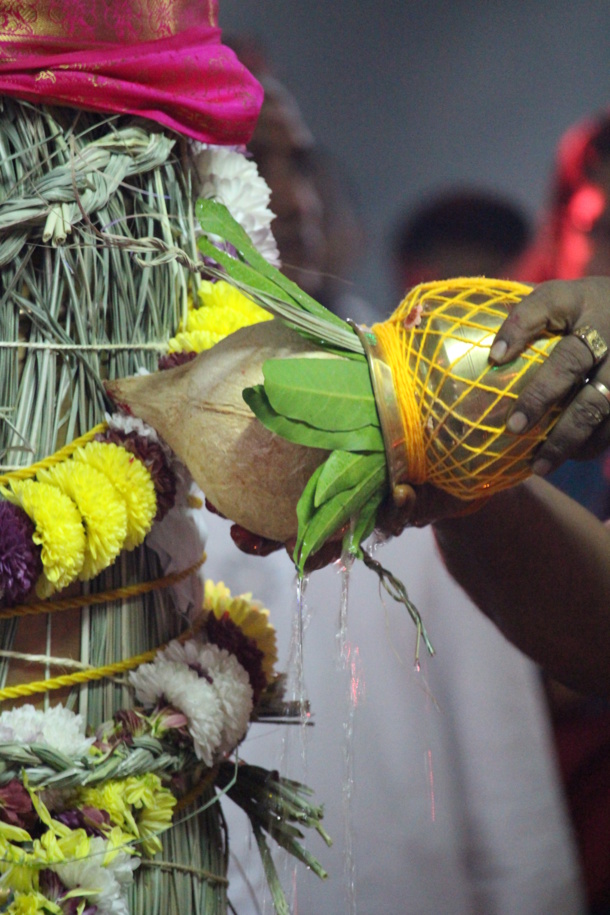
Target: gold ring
(601, 387)
(594, 342)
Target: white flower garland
(233, 180)
(208, 685)
(102, 877)
(57, 727)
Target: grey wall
(415, 95)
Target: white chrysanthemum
(230, 682)
(190, 693)
(102, 878)
(234, 181)
(121, 422)
(57, 727)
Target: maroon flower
(53, 889)
(20, 562)
(122, 728)
(227, 634)
(95, 822)
(174, 359)
(16, 806)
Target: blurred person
(573, 242)
(574, 237)
(445, 800)
(462, 232)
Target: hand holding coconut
(300, 429)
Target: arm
(538, 565)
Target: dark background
(413, 96)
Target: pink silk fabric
(186, 80)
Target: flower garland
(73, 519)
(78, 813)
(222, 310)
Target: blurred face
(583, 247)
(280, 146)
(452, 259)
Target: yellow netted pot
(442, 405)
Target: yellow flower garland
(249, 615)
(58, 531)
(85, 510)
(222, 310)
(102, 510)
(133, 482)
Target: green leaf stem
(363, 526)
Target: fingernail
(516, 422)
(541, 467)
(498, 350)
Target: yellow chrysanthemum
(249, 615)
(194, 341)
(140, 806)
(131, 479)
(59, 531)
(32, 903)
(222, 311)
(19, 868)
(102, 509)
(110, 796)
(155, 807)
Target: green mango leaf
(331, 516)
(333, 394)
(343, 470)
(215, 219)
(366, 439)
(306, 505)
(364, 526)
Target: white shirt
(455, 807)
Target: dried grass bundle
(75, 310)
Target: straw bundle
(74, 311)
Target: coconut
(248, 473)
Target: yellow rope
(107, 670)
(81, 676)
(25, 473)
(102, 597)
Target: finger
(392, 518)
(552, 306)
(580, 421)
(566, 367)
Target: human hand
(563, 307)
(419, 506)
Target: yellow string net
(443, 413)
